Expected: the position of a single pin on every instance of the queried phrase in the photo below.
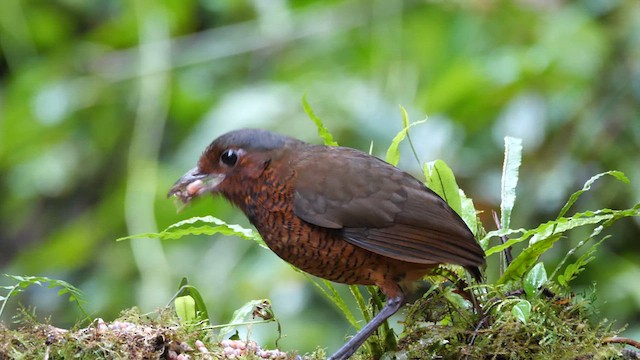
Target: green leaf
(572, 270)
(240, 315)
(23, 282)
(441, 180)
(510, 169)
(536, 277)
(545, 235)
(185, 308)
(522, 311)
(188, 290)
(183, 282)
(405, 117)
(545, 229)
(322, 130)
(212, 226)
(393, 152)
(523, 262)
(606, 217)
(587, 186)
(468, 213)
(452, 295)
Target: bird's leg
(390, 308)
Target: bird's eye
(229, 157)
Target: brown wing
(381, 208)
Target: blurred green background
(106, 103)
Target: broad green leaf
(587, 186)
(522, 311)
(441, 180)
(535, 278)
(322, 130)
(200, 306)
(393, 152)
(510, 169)
(185, 308)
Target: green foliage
(545, 235)
(522, 311)
(77, 78)
(324, 134)
(509, 327)
(23, 282)
(534, 280)
(572, 270)
(521, 272)
(440, 179)
(560, 332)
(189, 304)
(470, 216)
(393, 153)
(185, 308)
(556, 323)
(553, 227)
(587, 186)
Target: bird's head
(231, 160)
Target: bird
(336, 213)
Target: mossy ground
(442, 325)
(133, 335)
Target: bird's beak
(193, 184)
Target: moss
(441, 325)
(133, 335)
(557, 328)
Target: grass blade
(355, 291)
(330, 292)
